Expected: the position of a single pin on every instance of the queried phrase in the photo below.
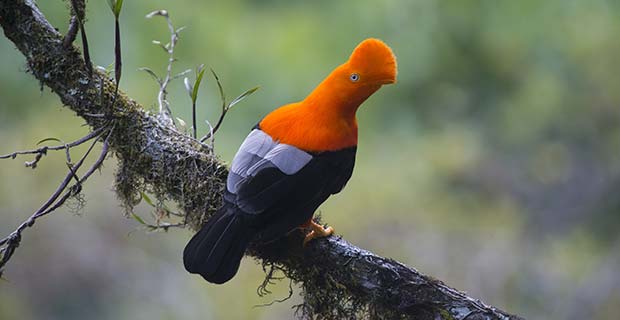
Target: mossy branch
(339, 280)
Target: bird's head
(325, 120)
(371, 63)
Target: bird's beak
(389, 75)
(388, 79)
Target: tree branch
(339, 279)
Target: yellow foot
(317, 231)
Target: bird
(295, 158)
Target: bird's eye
(354, 77)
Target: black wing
(278, 187)
(325, 174)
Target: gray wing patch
(259, 151)
(254, 148)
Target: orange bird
(289, 164)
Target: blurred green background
(493, 164)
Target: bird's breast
(310, 130)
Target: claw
(317, 231)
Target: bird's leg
(316, 231)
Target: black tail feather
(215, 252)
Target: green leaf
(147, 199)
(242, 96)
(137, 218)
(117, 8)
(49, 139)
(219, 86)
(151, 73)
(201, 72)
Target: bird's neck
(324, 121)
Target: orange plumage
(325, 120)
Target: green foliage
(241, 97)
(220, 90)
(137, 218)
(200, 71)
(116, 6)
(225, 105)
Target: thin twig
(44, 149)
(30, 221)
(77, 187)
(80, 17)
(224, 108)
(55, 201)
(217, 126)
(209, 135)
(164, 106)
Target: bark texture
(339, 280)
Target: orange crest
(374, 57)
